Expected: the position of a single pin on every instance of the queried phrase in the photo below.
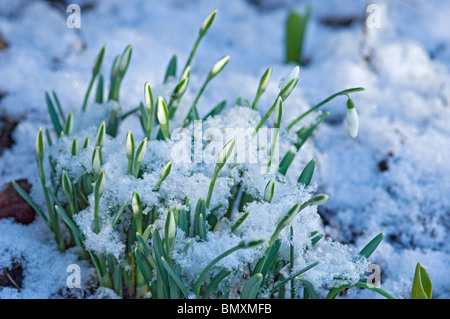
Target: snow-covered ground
(393, 178)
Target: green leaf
(422, 286)
(271, 256)
(215, 282)
(202, 225)
(73, 227)
(371, 246)
(30, 201)
(334, 292)
(160, 252)
(293, 276)
(171, 70)
(53, 115)
(263, 82)
(118, 214)
(216, 110)
(307, 173)
(142, 246)
(251, 287)
(174, 276)
(68, 127)
(286, 162)
(296, 25)
(200, 209)
(58, 105)
(99, 92)
(242, 245)
(99, 61)
(310, 291)
(144, 267)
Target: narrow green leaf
(30, 201)
(422, 286)
(175, 277)
(171, 70)
(58, 105)
(215, 282)
(53, 115)
(73, 227)
(99, 92)
(371, 246)
(296, 25)
(293, 276)
(251, 287)
(118, 214)
(307, 173)
(216, 110)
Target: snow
(403, 120)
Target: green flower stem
(96, 213)
(266, 117)
(328, 99)
(210, 265)
(272, 149)
(54, 222)
(193, 112)
(88, 92)
(191, 55)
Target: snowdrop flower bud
(207, 23)
(136, 203)
(180, 88)
(268, 192)
(186, 72)
(165, 171)
(140, 154)
(40, 145)
(225, 153)
(265, 79)
(96, 160)
(171, 225)
(148, 98)
(317, 200)
(288, 82)
(218, 66)
(129, 145)
(163, 118)
(251, 243)
(352, 119)
(100, 135)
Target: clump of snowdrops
(159, 229)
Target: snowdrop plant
(155, 227)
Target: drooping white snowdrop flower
(352, 119)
